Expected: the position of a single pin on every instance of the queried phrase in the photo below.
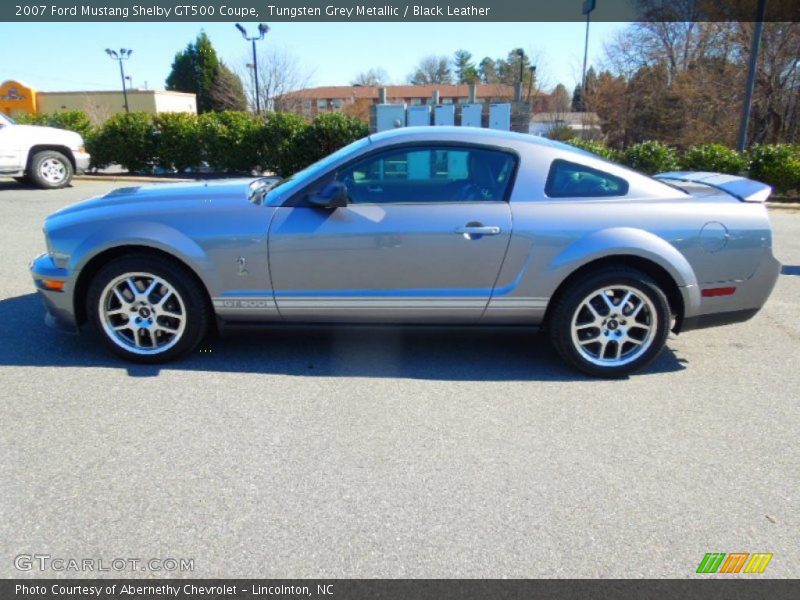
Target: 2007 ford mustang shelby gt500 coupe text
(444, 225)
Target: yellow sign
(16, 97)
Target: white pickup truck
(44, 156)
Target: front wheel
(147, 309)
(612, 323)
(50, 170)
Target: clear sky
(70, 56)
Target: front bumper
(82, 160)
(59, 304)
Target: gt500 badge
(237, 303)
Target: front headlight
(60, 259)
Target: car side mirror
(332, 195)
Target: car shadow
(435, 353)
(10, 184)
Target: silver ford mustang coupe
(433, 225)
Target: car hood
(147, 199)
(48, 135)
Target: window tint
(571, 180)
(430, 174)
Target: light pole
(518, 89)
(263, 28)
(588, 7)
(123, 54)
(532, 69)
(751, 76)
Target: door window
(430, 174)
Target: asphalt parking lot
(391, 453)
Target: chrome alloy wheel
(53, 171)
(142, 313)
(614, 326)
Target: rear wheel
(50, 170)
(147, 309)
(612, 323)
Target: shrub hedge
(239, 142)
(74, 120)
(715, 158)
(775, 164)
(228, 141)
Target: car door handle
(469, 230)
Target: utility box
(389, 116)
(500, 116)
(471, 115)
(444, 114)
(418, 116)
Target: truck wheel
(147, 309)
(50, 170)
(612, 323)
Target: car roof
(453, 133)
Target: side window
(430, 174)
(571, 180)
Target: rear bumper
(749, 298)
(59, 305)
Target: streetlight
(518, 89)
(751, 76)
(263, 28)
(123, 54)
(588, 7)
(532, 69)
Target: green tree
(431, 69)
(464, 68)
(487, 71)
(198, 70)
(227, 91)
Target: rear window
(572, 180)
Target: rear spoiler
(741, 188)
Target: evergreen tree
(578, 105)
(227, 91)
(464, 68)
(198, 70)
(487, 71)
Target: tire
(50, 170)
(163, 325)
(616, 311)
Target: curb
(130, 178)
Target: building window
(337, 103)
(415, 102)
(322, 104)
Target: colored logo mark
(735, 562)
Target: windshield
(290, 184)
